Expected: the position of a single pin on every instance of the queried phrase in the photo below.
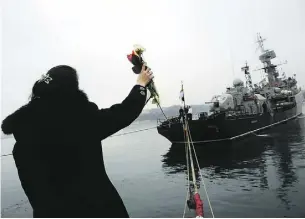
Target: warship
(244, 108)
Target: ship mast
(245, 69)
(260, 42)
(265, 58)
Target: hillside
(155, 113)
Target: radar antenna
(260, 42)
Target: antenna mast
(266, 57)
(260, 42)
(245, 69)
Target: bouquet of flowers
(136, 58)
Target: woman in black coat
(58, 151)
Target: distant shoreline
(155, 113)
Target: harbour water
(259, 176)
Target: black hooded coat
(59, 157)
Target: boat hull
(221, 128)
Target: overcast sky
(203, 43)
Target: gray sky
(199, 42)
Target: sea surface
(258, 176)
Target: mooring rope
(126, 133)
(185, 205)
(188, 177)
(202, 179)
(189, 157)
(5, 155)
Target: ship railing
(175, 119)
(172, 119)
(234, 114)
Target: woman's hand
(145, 76)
